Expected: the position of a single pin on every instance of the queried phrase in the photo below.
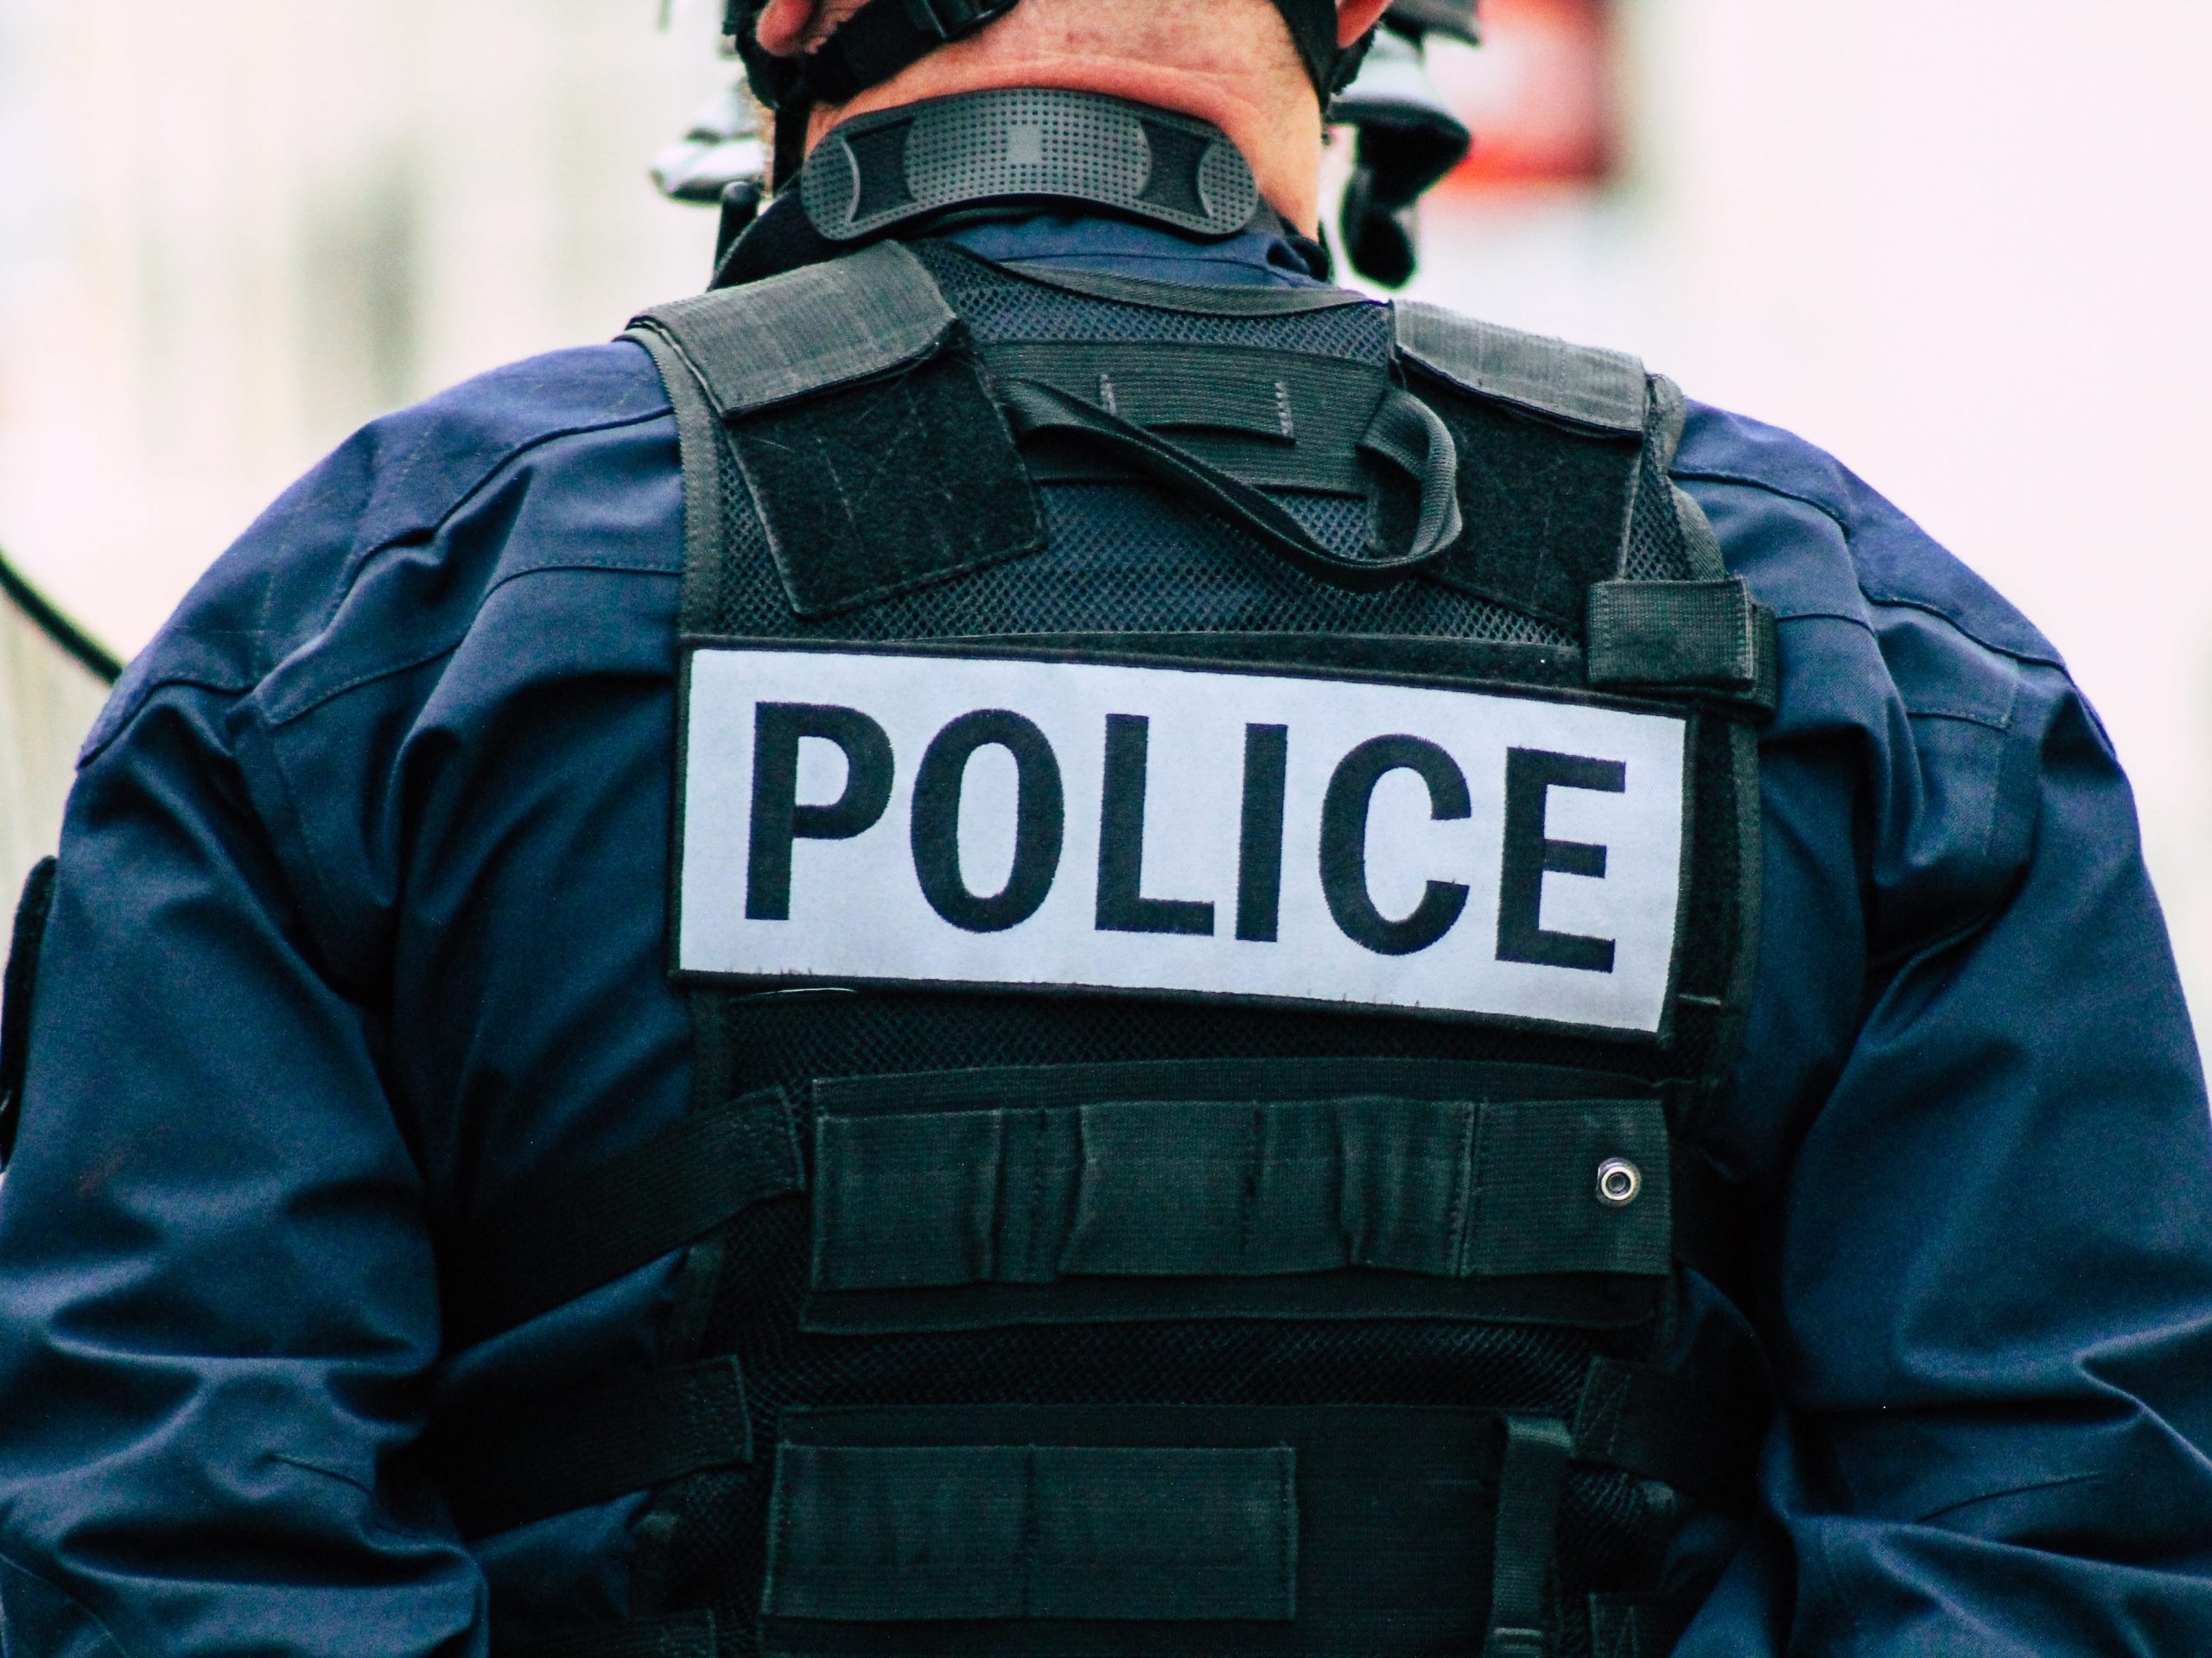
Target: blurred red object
(1540, 94)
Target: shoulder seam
(507, 458)
(349, 578)
(1898, 601)
(391, 670)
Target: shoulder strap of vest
(813, 381)
(1590, 387)
(1691, 628)
(806, 332)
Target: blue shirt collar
(1262, 256)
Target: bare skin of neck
(1231, 62)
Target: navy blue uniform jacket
(361, 923)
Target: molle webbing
(1403, 431)
(1248, 1171)
(931, 1533)
(1276, 420)
(544, 1455)
(1268, 1169)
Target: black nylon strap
(506, 1466)
(1405, 432)
(699, 451)
(687, 1634)
(1393, 1520)
(551, 1243)
(887, 36)
(1603, 389)
(521, 1463)
(1665, 1427)
(926, 1534)
(1529, 1482)
(1180, 1188)
(1707, 636)
(787, 338)
(1272, 419)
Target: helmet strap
(886, 37)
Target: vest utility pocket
(1327, 1190)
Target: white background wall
(1967, 246)
(1963, 244)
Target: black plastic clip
(954, 20)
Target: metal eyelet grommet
(1620, 1182)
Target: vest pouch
(1151, 1530)
(1330, 1189)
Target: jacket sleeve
(1997, 1277)
(217, 1307)
(1974, 1106)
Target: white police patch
(910, 816)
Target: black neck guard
(1024, 145)
(925, 167)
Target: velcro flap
(1237, 1188)
(858, 509)
(1703, 634)
(908, 1534)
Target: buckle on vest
(953, 20)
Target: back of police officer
(1028, 936)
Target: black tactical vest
(1217, 874)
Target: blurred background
(1966, 246)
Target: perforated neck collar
(1027, 145)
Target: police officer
(1029, 936)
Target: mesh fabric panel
(795, 1036)
(1656, 550)
(1125, 556)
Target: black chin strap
(886, 36)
